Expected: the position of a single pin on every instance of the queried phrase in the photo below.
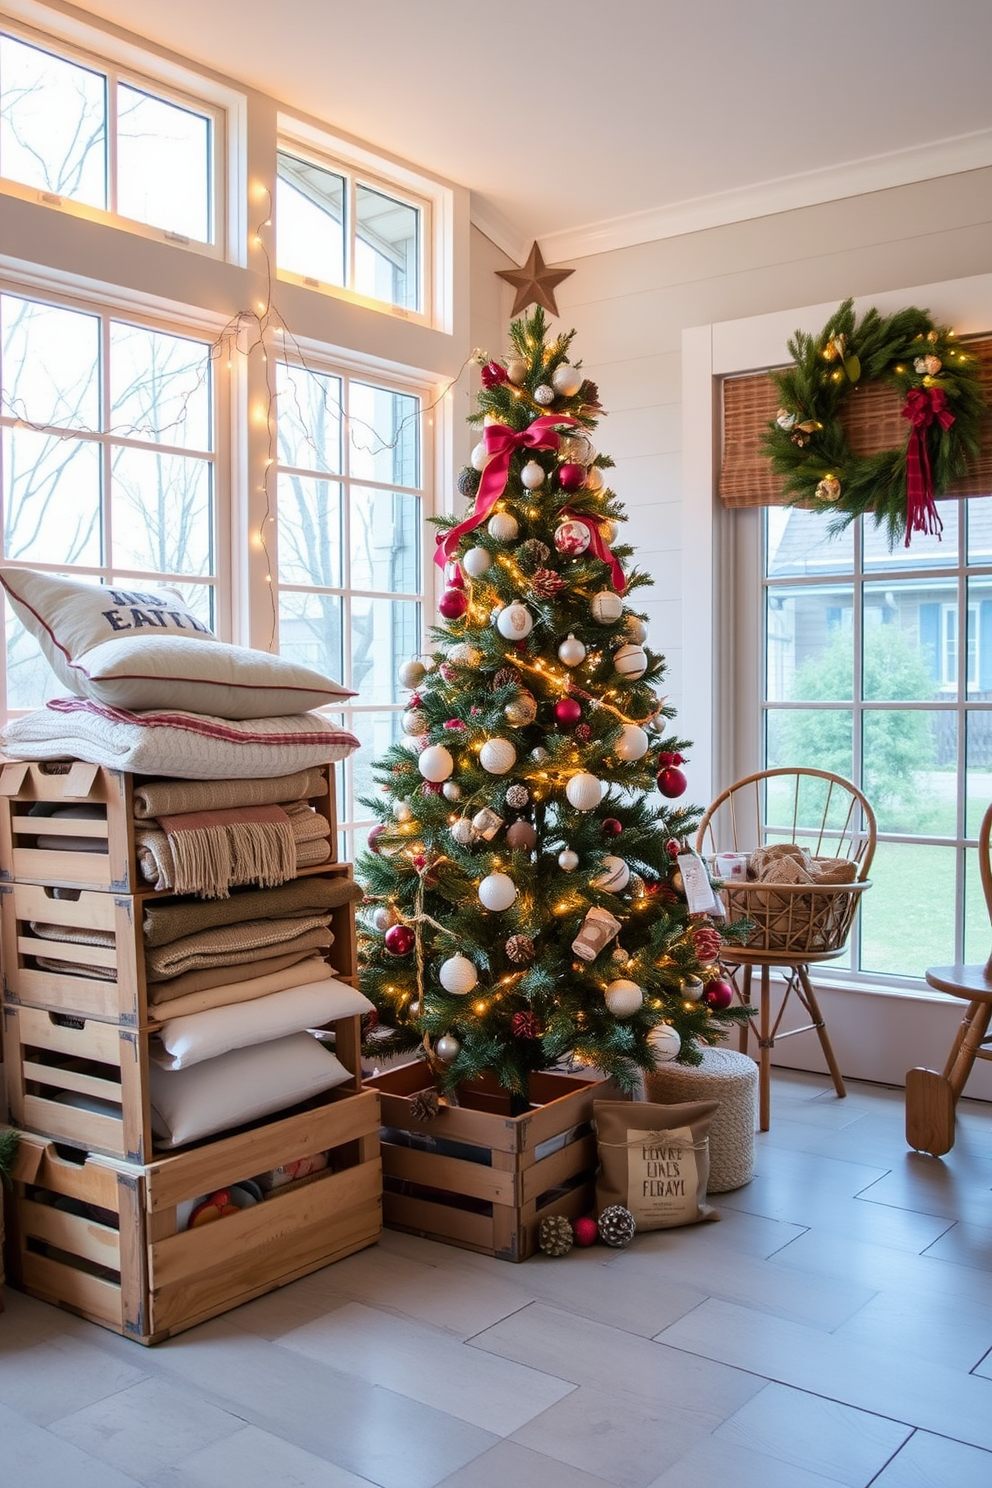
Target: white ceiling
(589, 124)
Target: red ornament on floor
(585, 1231)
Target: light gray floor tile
(714, 1464)
(923, 1323)
(984, 1366)
(255, 1459)
(605, 1358)
(818, 1253)
(510, 1463)
(873, 1379)
(62, 1373)
(147, 1427)
(961, 1192)
(626, 1439)
(810, 1431)
(495, 1394)
(934, 1462)
(31, 1457)
(965, 1245)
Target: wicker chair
(795, 925)
(931, 1099)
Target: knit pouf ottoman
(731, 1079)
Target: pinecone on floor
(616, 1226)
(555, 1235)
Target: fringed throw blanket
(213, 850)
(156, 858)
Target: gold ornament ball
(516, 371)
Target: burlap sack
(654, 1160)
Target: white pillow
(68, 617)
(199, 1036)
(145, 672)
(239, 1087)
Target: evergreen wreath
(938, 382)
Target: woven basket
(794, 919)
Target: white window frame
(432, 199)
(117, 60)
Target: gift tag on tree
(696, 882)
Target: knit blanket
(186, 746)
(236, 856)
(172, 797)
(228, 945)
(206, 979)
(164, 923)
(244, 988)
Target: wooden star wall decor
(534, 282)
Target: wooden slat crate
(124, 999)
(112, 866)
(51, 1056)
(113, 1250)
(479, 1178)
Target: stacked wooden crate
(97, 1216)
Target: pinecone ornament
(555, 1236)
(520, 948)
(425, 1105)
(468, 481)
(533, 553)
(525, 1026)
(616, 1226)
(545, 583)
(504, 677)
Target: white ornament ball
(383, 917)
(458, 975)
(516, 370)
(435, 764)
(414, 1010)
(463, 832)
(637, 630)
(594, 482)
(532, 475)
(452, 791)
(665, 1043)
(584, 791)
(497, 756)
(503, 527)
(411, 674)
(544, 395)
(497, 892)
(402, 811)
(568, 860)
(606, 607)
(615, 875)
(465, 655)
(632, 743)
(572, 538)
(630, 661)
(515, 622)
(692, 989)
(571, 651)
(539, 754)
(623, 997)
(447, 1048)
(476, 562)
(566, 380)
(415, 723)
(480, 456)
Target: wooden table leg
(765, 1043)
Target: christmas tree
(525, 896)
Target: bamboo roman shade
(871, 418)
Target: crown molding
(764, 198)
(500, 230)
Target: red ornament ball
(610, 827)
(718, 995)
(493, 373)
(524, 1026)
(372, 841)
(708, 942)
(667, 758)
(671, 782)
(431, 788)
(583, 732)
(585, 1231)
(400, 940)
(567, 712)
(673, 848)
(571, 477)
(453, 604)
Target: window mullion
(112, 92)
(107, 449)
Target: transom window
(336, 228)
(107, 460)
(76, 131)
(865, 675)
(350, 510)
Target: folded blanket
(185, 746)
(227, 945)
(156, 859)
(172, 797)
(215, 850)
(75, 968)
(787, 863)
(226, 979)
(163, 923)
(246, 988)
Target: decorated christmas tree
(531, 897)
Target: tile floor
(835, 1328)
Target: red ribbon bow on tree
(923, 405)
(598, 545)
(501, 443)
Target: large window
(107, 460)
(337, 229)
(350, 572)
(866, 675)
(75, 131)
